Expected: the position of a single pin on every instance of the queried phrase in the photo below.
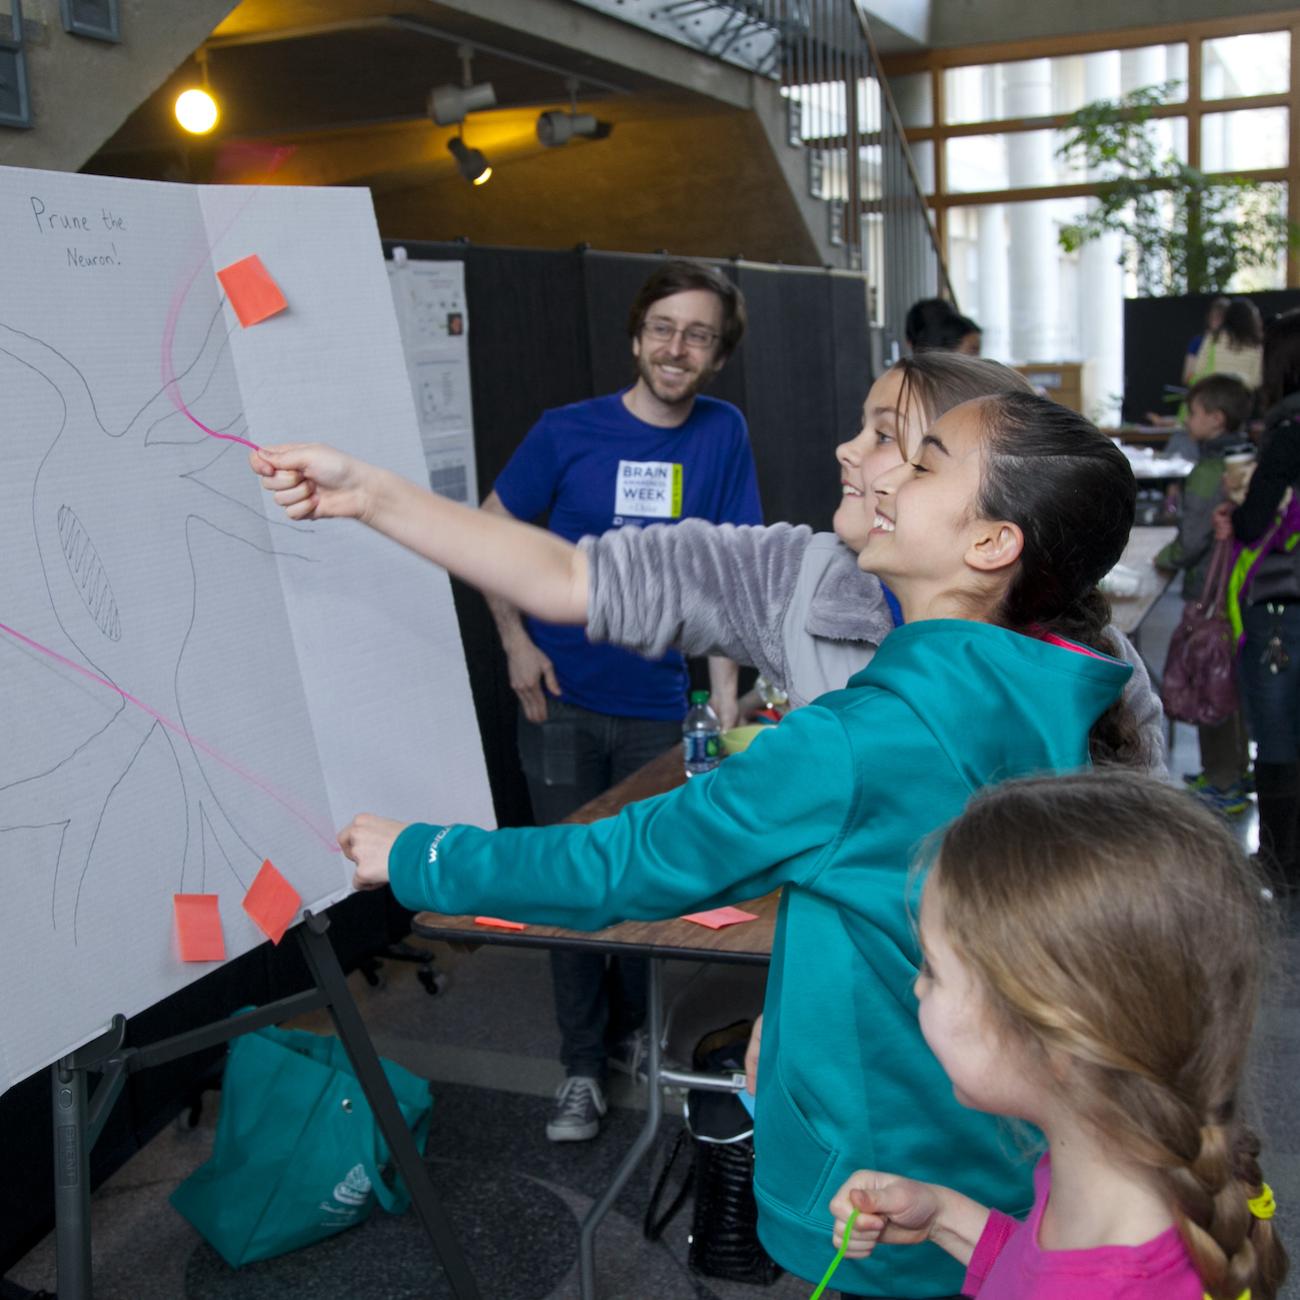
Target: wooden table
(1129, 612)
(1142, 435)
(656, 940)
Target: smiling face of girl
(880, 445)
(928, 539)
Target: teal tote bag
(298, 1155)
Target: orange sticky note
(272, 902)
(198, 927)
(252, 292)
(496, 923)
(720, 917)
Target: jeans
(568, 760)
(1272, 700)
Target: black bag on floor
(719, 1141)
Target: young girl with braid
(1092, 956)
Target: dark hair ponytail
(1073, 496)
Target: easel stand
(79, 1115)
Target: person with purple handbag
(1264, 600)
(1200, 672)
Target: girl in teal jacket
(993, 538)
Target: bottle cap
(699, 697)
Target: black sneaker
(579, 1105)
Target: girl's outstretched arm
(899, 1211)
(534, 570)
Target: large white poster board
(189, 684)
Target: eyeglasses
(694, 336)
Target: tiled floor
(488, 1042)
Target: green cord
(835, 1263)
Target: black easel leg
(325, 969)
(71, 1182)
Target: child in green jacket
(1218, 408)
(993, 537)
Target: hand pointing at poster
(536, 571)
(366, 840)
(312, 481)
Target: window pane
(912, 98)
(871, 169)
(1257, 64)
(1272, 276)
(1246, 139)
(1022, 159)
(1042, 87)
(923, 157)
(1035, 302)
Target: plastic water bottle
(701, 736)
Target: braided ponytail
(1073, 496)
(1209, 1172)
(1117, 928)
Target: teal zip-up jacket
(832, 804)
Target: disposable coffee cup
(1238, 466)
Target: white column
(993, 313)
(1033, 283)
(1101, 281)
(1146, 67)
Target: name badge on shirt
(651, 489)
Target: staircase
(840, 119)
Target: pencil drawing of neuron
(116, 680)
(189, 683)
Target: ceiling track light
(471, 163)
(556, 127)
(450, 104)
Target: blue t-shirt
(594, 466)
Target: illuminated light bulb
(196, 111)
(484, 177)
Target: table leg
(654, 1113)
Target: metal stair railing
(841, 114)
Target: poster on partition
(429, 298)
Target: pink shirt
(1009, 1264)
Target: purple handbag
(1200, 682)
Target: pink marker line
(170, 386)
(327, 839)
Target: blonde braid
(1208, 1172)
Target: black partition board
(850, 337)
(1156, 334)
(550, 328)
(790, 397)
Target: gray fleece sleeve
(1143, 703)
(705, 588)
